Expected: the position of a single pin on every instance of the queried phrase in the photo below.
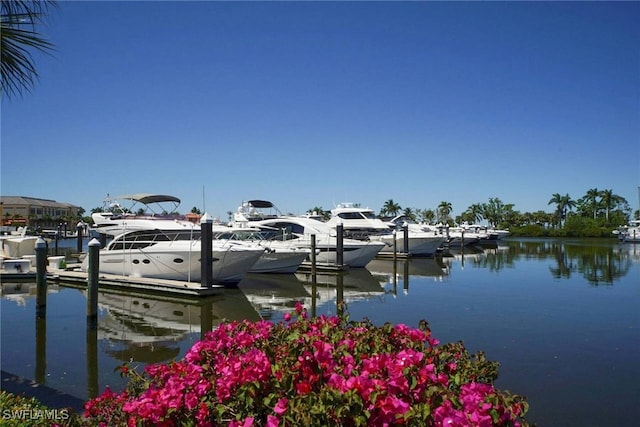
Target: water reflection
(273, 294)
(357, 284)
(599, 262)
(146, 328)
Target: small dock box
(17, 265)
(55, 262)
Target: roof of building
(32, 201)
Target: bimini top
(260, 204)
(147, 198)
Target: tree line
(596, 213)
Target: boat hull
(353, 255)
(280, 260)
(419, 245)
(179, 261)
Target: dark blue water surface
(562, 317)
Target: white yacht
(297, 231)
(144, 212)
(423, 241)
(362, 223)
(629, 233)
(357, 222)
(278, 257)
(159, 212)
(174, 255)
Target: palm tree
(444, 209)
(17, 38)
(476, 212)
(426, 215)
(409, 213)
(592, 197)
(493, 211)
(390, 208)
(610, 200)
(563, 205)
(317, 210)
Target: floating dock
(115, 282)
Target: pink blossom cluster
(321, 371)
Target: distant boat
(278, 257)
(297, 231)
(629, 233)
(362, 223)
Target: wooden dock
(115, 282)
(72, 276)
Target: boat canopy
(260, 204)
(147, 198)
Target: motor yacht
(629, 233)
(298, 231)
(278, 257)
(362, 223)
(174, 255)
(141, 211)
(159, 212)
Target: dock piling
(339, 244)
(405, 235)
(206, 250)
(41, 277)
(92, 283)
(313, 254)
(79, 230)
(395, 245)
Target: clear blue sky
(314, 103)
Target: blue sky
(315, 103)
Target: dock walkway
(111, 281)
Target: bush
(326, 371)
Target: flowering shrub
(325, 371)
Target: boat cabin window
(350, 215)
(143, 238)
(283, 230)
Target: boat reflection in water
(273, 295)
(333, 290)
(418, 267)
(149, 329)
(20, 292)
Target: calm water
(561, 317)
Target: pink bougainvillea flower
(272, 421)
(281, 406)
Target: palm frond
(17, 39)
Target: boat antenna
(204, 205)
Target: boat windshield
(144, 238)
